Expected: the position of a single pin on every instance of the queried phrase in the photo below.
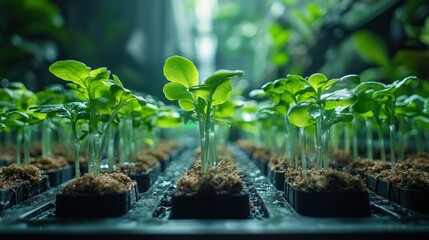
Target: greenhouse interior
(214, 119)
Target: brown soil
(49, 163)
(278, 163)
(420, 161)
(371, 166)
(339, 156)
(113, 183)
(140, 166)
(406, 178)
(15, 174)
(223, 179)
(324, 180)
(247, 146)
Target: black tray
(95, 206)
(58, 176)
(277, 178)
(208, 206)
(145, 180)
(328, 204)
(19, 193)
(416, 200)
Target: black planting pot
(145, 180)
(262, 165)
(208, 206)
(58, 176)
(328, 204)
(19, 193)
(413, 199)
(277, 178)
(94, 205)
(337, 166)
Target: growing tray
(145, 180)
(95, 206)
(35, 218)
(58, 176)
(19, 193)
(277, 178)
(209, 206)
(416, 200)
(328, 204)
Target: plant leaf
(299, 114)
(70, 70)
(340, 98)
(181, 70)
(316, 81)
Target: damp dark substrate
(257, 207)
(35, 218)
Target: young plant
(370, 111)
(21, 100)
(325, 109)
(73, 111)
(200, 98)
(387, 98)
(104, 98)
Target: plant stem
(319, 140)
(288, 140)
(76, 149)
(402, 140)
(303, 148)
(110, 149)
(18, 146)
(392, 134)
(347, 138)
(369, 145)
(392, 145)
(381, 142)
(46, 138)
(355, 127)
(417, 138)
(27, 144)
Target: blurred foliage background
(381, 40)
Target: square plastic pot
(277, 178)
(19, 193)
(58, 176)
(145, 180)
(95, 206)
(413, 199)
(208, 206)
(328, 204)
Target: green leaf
(371, 48)
(335, 117)
(316, 81)
(176, 91)
(181, 70)
(168, 120)
(116, 80)
(223, 121)
(217, 87)
(351, 78)
(225, 110)
(70, 70)
(299, 114)
(340, 98)
(186, 105)
(257, 93)
(365, 105)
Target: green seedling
(387, 98)
(104, 98)
(324, 109)
(200, 98)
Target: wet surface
(271, 214)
